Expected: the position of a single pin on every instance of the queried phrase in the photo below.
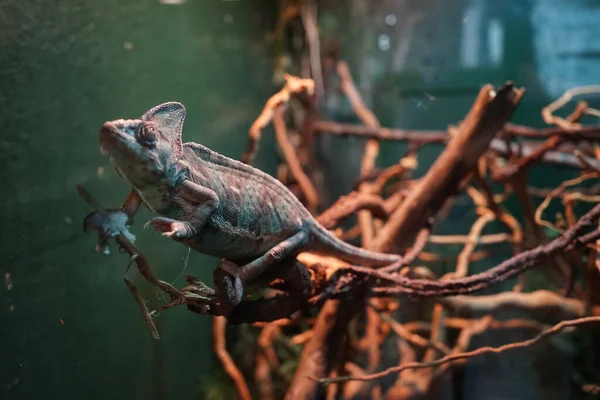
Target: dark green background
(68, 66)
(64, 70)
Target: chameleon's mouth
(112, 135)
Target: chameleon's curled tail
(328, 244)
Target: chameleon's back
(255, 212)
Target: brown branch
(497, 145)
(140, 301)
(376, 132)
(293, 85)
(543, 192)
(515, 323)
(460, 323)
(412, 254)
(144, 268)
(289, 153)
(351, 203)
(265, 360)
(553, 142)
(395, 171)
(547, 112)
(309, 20)
(552, 157)
(437, 136)
(488, 114)
(541, 303)
(555, 192)
(584, 132)
(349, 89)
(365, 219)
(226, 360)
(413, 338)
(319, 354)
(494, 238)
(569, 240)
(466, 355)
(371, 148)
(462, 263)
(513, 169)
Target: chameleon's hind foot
(230, 288)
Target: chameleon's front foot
(178, 230)
(230, 287)
(108, 224)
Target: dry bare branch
(466, 355)
(220, 349)
(293, 85)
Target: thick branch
(541, 303)
(348, 205)
(489, 113)
(319, 354)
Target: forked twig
(547, 112)
(140, 301)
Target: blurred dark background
(69, 328)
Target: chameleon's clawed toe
(161, 224)
(170, 227)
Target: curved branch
(308, 189)
(228, 364)
(465, 355)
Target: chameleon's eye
(147, 135)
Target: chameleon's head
(144, 150)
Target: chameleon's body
(216, 205)
(254, 213)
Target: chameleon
(213, 204)
(222, 207)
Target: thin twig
(226, 360)
(309, 191)
(140, 301)
(462, 264)
(571, 182)
(309, 20)
(465, 355)
(547, 112)
(494, 238)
